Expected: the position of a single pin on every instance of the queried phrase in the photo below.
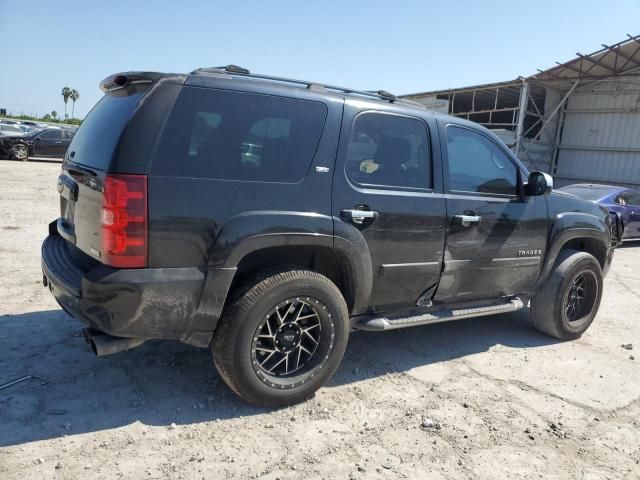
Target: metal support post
(522, 112)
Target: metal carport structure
(579, 120)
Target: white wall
(600, 140)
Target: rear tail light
(124, 221)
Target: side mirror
(539, 183)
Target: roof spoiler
(120, 81)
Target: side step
(379, 324)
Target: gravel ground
(480, 398)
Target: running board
(379, 324)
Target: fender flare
(569, 226)
(252, 231)
(350, 244)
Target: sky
(398, 46)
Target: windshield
(33, 133)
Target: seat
(391, 155)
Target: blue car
(620, 200)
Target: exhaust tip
(94, 349)
(88, 333)
(103, 345)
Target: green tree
(66, 94)
(75, 95)
(54, 114)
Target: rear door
(387, 187)
(495, 237)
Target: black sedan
(47, 142)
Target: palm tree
(75, 95)
(66, 93)
(54, 114)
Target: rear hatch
(103, 184)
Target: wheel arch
(22, 143)
(577, 231)
(319, 258)
(256, 242)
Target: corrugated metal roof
(616, 60)
(510, 83)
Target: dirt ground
(481, 398)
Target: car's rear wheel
(20, 152)
(283, 338)
(569, 300)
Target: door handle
(358, 216)
(466, 220)
(58, 142)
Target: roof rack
(224, 69)
(234, 69)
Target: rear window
(239, 136)
(96, 139)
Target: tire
(264, 325)
(20, 152)
(551, 307)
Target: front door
(50, 144)
(388, 189)
(495, 236)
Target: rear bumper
(164, 303)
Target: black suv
(266, 218)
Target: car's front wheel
(568, 302)
(20, 152)
(283, 338)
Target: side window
(629, 198)
(476, 164)
(239, 136)
(52, 134)
(388, 150)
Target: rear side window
(388, 151)
(476, 164)
(95, 141)
(239, 136)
